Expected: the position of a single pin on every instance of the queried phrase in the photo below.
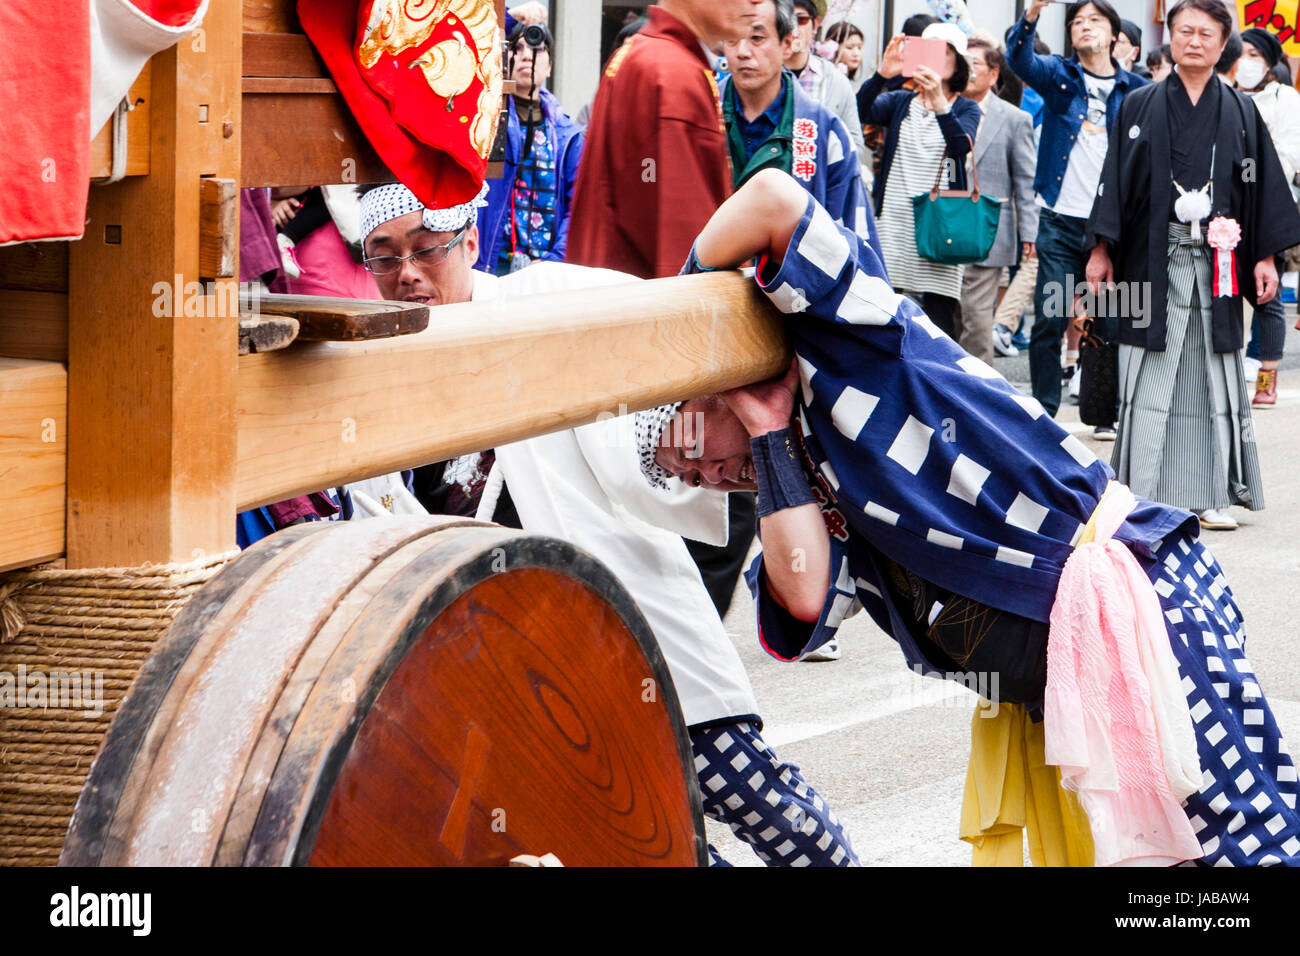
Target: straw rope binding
(71, 642)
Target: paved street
(889, 750)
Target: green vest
(775, 152)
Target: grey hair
(785, 21)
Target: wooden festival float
(404, 691)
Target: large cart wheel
(398, 692)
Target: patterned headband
(388, 202)
(650, 425)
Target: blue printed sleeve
(831, 273)
(782, 634)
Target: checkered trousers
(1245, 812)
(765, 801)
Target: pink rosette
(1223, 233)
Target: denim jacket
(1060, 82)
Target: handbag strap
(975, 175)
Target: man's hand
(891, 61)
(1099, 270)
(765, 406)
(1027, 250)
(530, 13)
(1034, 9)
(1265, 280)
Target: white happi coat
(584, 485)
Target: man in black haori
(1191, 212)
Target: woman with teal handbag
(929, 133)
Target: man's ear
(470, 242)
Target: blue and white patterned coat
(925, 450)
(945, 468)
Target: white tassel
(1191, 207)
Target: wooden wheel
(406, 691)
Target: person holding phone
(1081, 97)
(919, 126)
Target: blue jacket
(566, 146)
(923, 453)
(888, 110)
(1065, 99)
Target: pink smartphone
(923, 51)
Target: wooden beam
(319, 415)
(151, 391)
(33, 453)
(486, 373)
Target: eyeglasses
(432, 256)
(802, 18)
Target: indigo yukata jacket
(923, 453)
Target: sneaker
(830, 651)
(1103, 433)
(1265, 389)
(1021, 342)
(1215, 519)
(1067, 374)
(288, 261)
(1076, 383)
(1250, 367)
(1002, 343)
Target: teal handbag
(955, 226)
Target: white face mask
(1250, 73)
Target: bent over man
(921, 486)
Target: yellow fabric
(1011, 792)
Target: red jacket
(655, 164)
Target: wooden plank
(490, 372)
(137, 134)
(329, 319)
(281, 54)
(34, 325)
(39, 266)
(33, 457)
(151, 396)
(218, 228)
(289, 84)
(292, 138)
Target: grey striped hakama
(1185, 435)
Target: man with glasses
(819, 77)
